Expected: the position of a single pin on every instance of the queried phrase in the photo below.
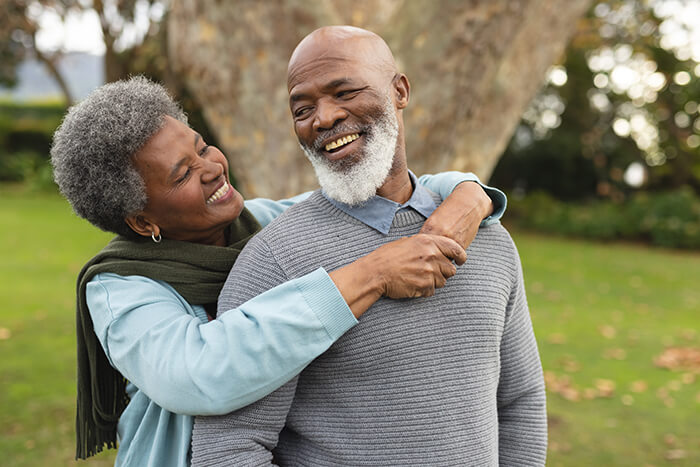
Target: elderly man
(459, 385)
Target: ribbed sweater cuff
(326, 302)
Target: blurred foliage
(25, 138)
(12, 50)
(19, 25)
(668, 219)
(125, 26)
(626, 97)
(150, 58)
(26, 129)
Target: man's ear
(402, 88)
(142, 226)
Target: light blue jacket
(179, 364)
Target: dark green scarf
(196, 271)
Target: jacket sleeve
(247, 436)
(444, 183)
(188, 366)
(522, 414)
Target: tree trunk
(473, 65)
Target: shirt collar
(378, 212)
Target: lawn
(617, 326)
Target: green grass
(601, 312)
(604, 312)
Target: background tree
(621, 113)
(128, 27)
(19, 24)
(474, 67)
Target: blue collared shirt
(379, 212)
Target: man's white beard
(357, 183)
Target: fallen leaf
(570, 394)
(556, 338)
(670, 439)
(673, 358)
(5, 334)
(607, 331)
(605, 387)
(675, 454)
(674, 385)
(627, 400)
(615, 354)
(639, 386)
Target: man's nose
(327, 115)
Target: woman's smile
(222, 194)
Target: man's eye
(348, 94)
(302, 112)
(204, 150)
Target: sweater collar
(378, 212)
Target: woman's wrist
(360, 284)
(470, 190)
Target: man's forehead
(322, 71)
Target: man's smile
(342, 141)
(342, 146)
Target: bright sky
(81, 32)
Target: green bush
(669, 219)
(26, 131)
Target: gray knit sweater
(454, 379)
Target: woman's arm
(445, 183)
(466, 206)
(190, 366)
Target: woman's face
(189, 194)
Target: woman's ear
(142, 226)
(402, 88)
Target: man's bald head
(329, 44)
(346, 98)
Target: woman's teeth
(342, 141)
(219, 193)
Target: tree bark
(473, 65)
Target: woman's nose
(212, 170)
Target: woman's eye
(184, 177)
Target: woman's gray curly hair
(93, 149)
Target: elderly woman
(149, 355)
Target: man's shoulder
(493, 240)
(300, 221)
(297, 216)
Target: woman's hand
(405, 268)
(459, 216)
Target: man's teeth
(342, 141)
(219, 193)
